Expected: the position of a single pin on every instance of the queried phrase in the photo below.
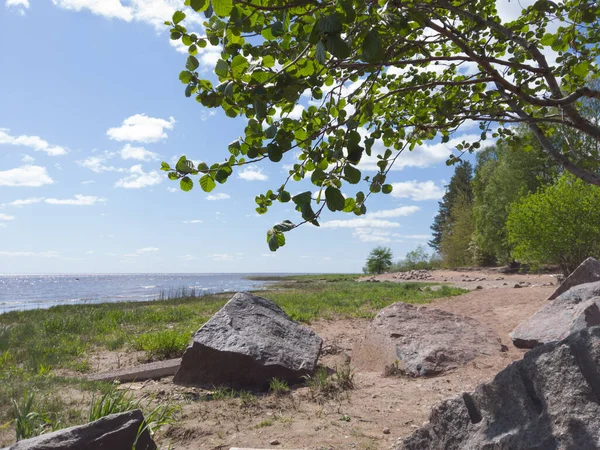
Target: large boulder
(574, 310)
(114, 432)
(547, 400)
(587, 272)
(246, 344)
(419, 341)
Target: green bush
(559, 224)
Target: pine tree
(459, 187)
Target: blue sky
(91, 104)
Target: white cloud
(141, 128)
(252, 174)
(172, 189)
(88, 182)
(372, 235)
(418, 190)
(27, 201)
(360, 223)
(193, 221)
(147, 250)
(112, 9)
(27, 159)
(49, 254)
(189, 257)
(6, 217)
(219, 196)
(415, 236)
(89, 252)
(140, 179)
(34, 142)
(78, 200)
(140, 153)
(225, 256)
(25, 176)
(98, 163)
(425, 155)
(402, 211)
(17, 3)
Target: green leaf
(207, 183)
(239, 64)
(275, 152)
(334, 199)
(222, 68)
(260, 106)
(582, 69)
(202, 167)
(284, 197)
(321, 53)
(372, 49)
(178, 16)
(186, 184)
(222, 8)
(174, 176)
(330, 24)
(352, 174)
(284, 226)
(164, 166)
(272, 240)
(349, 205)
(338, 47)
(302, 199)
(185, 76)
(387, 188)
(192, 63)
(277, 29)
(184, 165)
(547, 39)
(199, 5)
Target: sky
(90, 104)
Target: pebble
(274, 442)
(386, 431)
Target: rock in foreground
(114, 432)
(247, 343)
(548, 400)
(574, 310)
(420, 341)
(587, 272)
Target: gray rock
(246, 344)
(572, 311)
(114, 432)
(547, 401)
(587, 272)
(419, 341)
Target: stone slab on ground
(114, 432)
(547, 400)
(420, 341)
(246, 344)
(150, 371)
(574, 310)
(587, 272)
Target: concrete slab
(150, 371)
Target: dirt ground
(377, 412)
(380, 410)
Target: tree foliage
(382, 77)
(456, 246)
(559, 224)
(459, 187)
(505, 173)
(379, 260)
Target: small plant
(320, 384)
(344, 378)
(30, 423)
(223, 393)
(247, 399)
(278, 387)
(162, 344)
(265, 423)
(112, 401)
(156, 419)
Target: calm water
(19, 292)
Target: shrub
(559, 224)
(278, 387)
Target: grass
(35, 344)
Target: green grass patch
(33, 344)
